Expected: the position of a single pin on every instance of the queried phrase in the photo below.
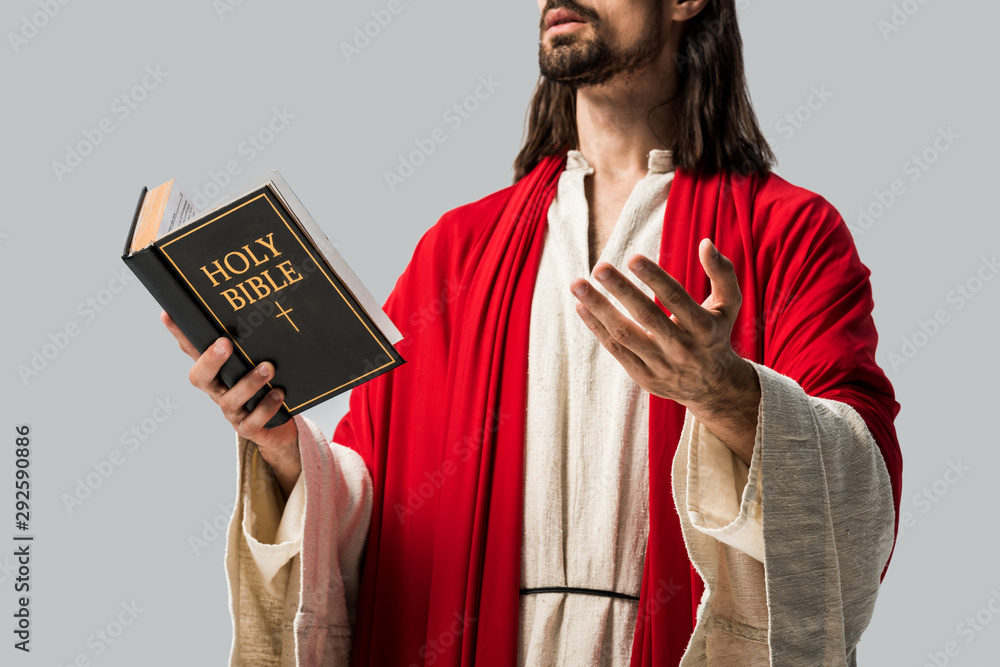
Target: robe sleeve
(274, 546)
(846, 536)
(272, 526)
(792, 548)
(723, 493)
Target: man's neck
(616, 132)
(618, 125)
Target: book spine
(200, 329)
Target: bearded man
(688, 458)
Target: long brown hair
(717, 126)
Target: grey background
(225, 73)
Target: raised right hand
(279, 445)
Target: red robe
(443, 435)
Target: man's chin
(573, 74)
(570, 63)
(577, 58)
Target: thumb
(725, 288)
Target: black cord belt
(580, 591)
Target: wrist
(283, 458)
(732, 414)
(737, 393)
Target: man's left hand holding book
(279, 445)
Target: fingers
(182, 340)
(233, 400)
(204, 374)
(687, 312)
(253, 425)
(725, 287)
(622, 337)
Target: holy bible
(257, 269)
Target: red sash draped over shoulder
(443, 435)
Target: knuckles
(194, 378)
(228, 403)
(673, 293)
(649, 317)
(614, 347)
(621, 333)
(250, 430)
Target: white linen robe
(586, 501)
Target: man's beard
(578, 62)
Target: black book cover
(248, 271)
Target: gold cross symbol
(284, 313)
